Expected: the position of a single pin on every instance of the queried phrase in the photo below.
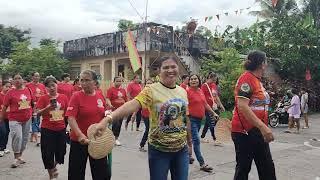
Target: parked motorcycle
(279, 115)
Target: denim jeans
(4, 134)
(161, 162)
(209, 124)
(146, 131)
(195, 127)
(253, 147)
(35, 125)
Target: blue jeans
(146, 131)
(4, 134)
(35, 124)
(195, 127)
(209, 124)
(161, 162)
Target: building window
(75, 72)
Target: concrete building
(108, 56)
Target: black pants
(138, 118)
(209, 124)
(252, 147)
(146, 131)
(116, 127)
(53, 147)
(4, 134)
(78, 160)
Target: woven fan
(101, 146)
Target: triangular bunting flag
(274, 3)
(308, 74)
(241, 11)
(133, 52)
(248, 8)
(236, 12)
(226, 14)
(299, 46)
(290, 45)
(210, 18)
(205, 19)
(315, 46)
(308, 46)
(266, 44)
(218, 16)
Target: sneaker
(38, 144)
(203, 140)
(305, 127)
(118, 143)
(21, 161)
(206, 168)
(142, 149)
(217, 143)
(15, 163)
(6, 151)
(1, 153)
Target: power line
(135, 10)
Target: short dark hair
(64, 75)
(33, 73)
(294, 91)
(92, 73)
(184, 76)
(4, 82)
(212, 75)
(254, 60)
(117, 77)
(164, 58)
(198, 79)
(48, 80)
(303, 89)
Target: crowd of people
(172, 114)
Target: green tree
(9, 35)
(228, 65)
(124, 25)
(47, 60)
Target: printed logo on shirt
(69, 108)
(120, 95)
(100, 103)
(245, 87)
(23, 104)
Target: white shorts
(296, 116)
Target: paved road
(296, 158)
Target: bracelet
(109, 116)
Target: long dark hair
(254, 60)
(199, 79)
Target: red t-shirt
(197, 102)
(86, 110)
(249, 86)
(184, 86)
(66, 89)
(99, 91)
(77, 88)
(145, 113)
(53, 119)
(37, 90)
(117, 96)
(206, 92)
(134, 89)
(19, 102)
(1, 105)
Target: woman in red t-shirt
(116, 97)
(76, 85)
(18, 100)
(250, 132)
(4, 123)
(52, 108)
(145, 116)
(86, 107)
(197, 107)
(65, 87)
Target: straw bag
(101, 146)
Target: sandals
(206, 168)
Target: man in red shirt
(64, 87)
(185, 81)
(37, 89)
(133, 89)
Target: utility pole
(144, 68)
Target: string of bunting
(243, 42)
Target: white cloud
(69, 19)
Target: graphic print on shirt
(100, 103)
(24, 103)
(120, 95)
(170, 116)
(57, 113)
(263, 100)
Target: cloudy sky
(70, 19)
